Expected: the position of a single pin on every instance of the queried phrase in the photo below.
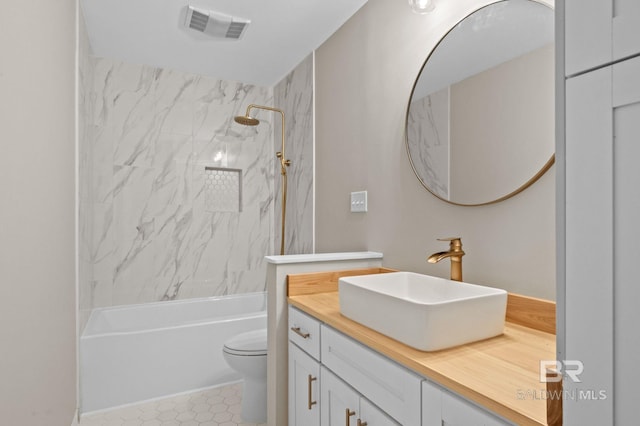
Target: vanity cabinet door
(340, 403)
(304, 388)
(440, 408)
(344, 406)
(431, 404)
(458, 412)
(370, 415)
(600, 32)
(304, 331)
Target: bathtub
(138, 352)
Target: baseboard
(76, 420)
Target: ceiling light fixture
(421, 6)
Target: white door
(589, 244)
(602, 245)
(340, 403)
(304, 388)
(600, 32)
(626, 239)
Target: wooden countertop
(501, 373)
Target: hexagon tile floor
(211, 407)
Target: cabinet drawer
(458, 412)
(304, 331)
(391, 387)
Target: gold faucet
(455, 253)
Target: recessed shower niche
(223, 189)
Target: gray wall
(502, 123)
(364, 76)
(37, 236)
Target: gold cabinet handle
(310, 380)
(300, 333)
(349, 413)
(361, 423)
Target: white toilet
(247, 354)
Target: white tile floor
(212, 407)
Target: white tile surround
(211, 407)
(146, 233)
(151, 237)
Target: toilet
(246, 353)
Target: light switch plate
(359, 202)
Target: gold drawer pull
(310, 380)
(300, 333)
(361, 423)
(349, 413)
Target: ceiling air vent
(215, 24)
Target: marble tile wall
(148, 233)
(294, 95)
(146, 230)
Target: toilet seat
(251, 343)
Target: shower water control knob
(279, 154)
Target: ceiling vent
(216, 24)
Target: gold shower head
(246, 120)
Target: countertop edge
(323, 257)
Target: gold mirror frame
(518, 190)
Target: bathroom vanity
(343, 373)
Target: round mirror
(480, 120)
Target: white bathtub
(138, 352)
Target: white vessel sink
(424, 312)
